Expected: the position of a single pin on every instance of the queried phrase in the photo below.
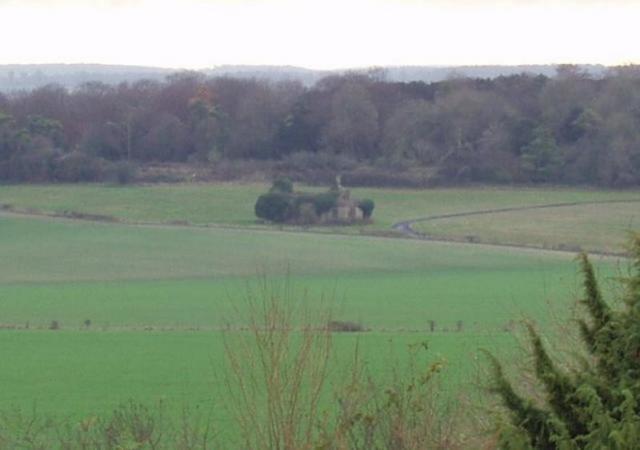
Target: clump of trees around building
(335, 206)
(595, 404)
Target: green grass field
(76, 374)
(148, 275)
(158, 296)
(594, 227)
(232, 204)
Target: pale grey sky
(319, 33)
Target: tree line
(572, 128)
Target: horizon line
(336, 69)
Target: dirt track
(406, 227)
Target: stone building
(346, 209)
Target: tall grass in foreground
(277, 370)
(130, 426)
(404, 410)
(285, 393)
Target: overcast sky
(319, 33)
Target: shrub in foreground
(130, 426)
(286, 390)
(596, 406)
(277, 372)
(408, 409)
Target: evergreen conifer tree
(598, 405)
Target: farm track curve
(406, 226)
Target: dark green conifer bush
(274, 206)
(282, 185)
(595, 406)
(367, 205)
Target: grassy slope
(591, 227)
(482, 299)
(166, 276)
(127, 278)
(233, 203)
(198, 204)
(64, 250)
(393, 206)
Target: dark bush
(274, 206)
(282, 185)
(324, 202)
(367, 205)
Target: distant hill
(432, 74)
(15, 77)
(273, 73)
